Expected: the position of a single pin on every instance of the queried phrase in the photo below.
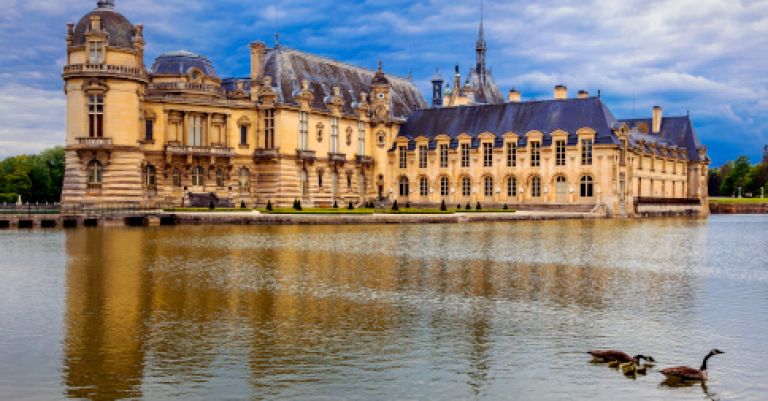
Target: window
(244, 180)
(363, 183)
(511, 154)
(198, 176)
(150, 177)
(303, 181)
(334, 135)
(587, 186)
(422, 156)
(536, 186)
(195, 131)
(349, 181)
(444, 155)
(176, 178)
(243, 134)
(586, 152)
(466, 186)
(511, 186)
(423, 186)
(269, 129)
(96, 116)
(97, 52)
(361, 138)
(335, 182)
(488, 185)
(303, 129)
(487, 155)
(445, 186)
(219, 178)
(403, 152)
(381, 138)
(95, 174)
(560, 153)
(320, 178)
(404, 186)
(149, 130)
(464, 155)
(535, 154)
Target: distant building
(306, 127)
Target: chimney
(583, 94)
(657, 112)
(514, 96)
(561, 92)
(257, 61)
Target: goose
(614, 355)
(686, 373)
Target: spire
(480, 46)
(105, 4)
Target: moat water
(427, 312)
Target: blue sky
(706, 56)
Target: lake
(495, 311)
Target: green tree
(37, 178)
(736, 177)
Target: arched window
(198, 177)
(511, 186)
(445, 186)
(466, 186)
(150, 177)
(176, 177)
(423, 186)
(219, 178)
(404, 186)
(536, 186)
(334, 134)
(488, 186)
(587, 186)
(303, 183)
(95, 174)
(244, 180)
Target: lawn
(206, 210)
(752, 201)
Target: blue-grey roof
(675, 131)
(180, 62)
(568, 115)
(118, 27)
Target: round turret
(119, 30)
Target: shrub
(443, 207)
(407, 205)
(505, 207)
(242, 204)
(335, 205)
(8, 198)
(350, 207)
(298, 205)
(211, 206)
(478, 207)
(395, 207)
(468, 206)
(458, 207)
(269, 206)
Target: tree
(736, 177)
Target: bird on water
(686, 373)
(617, 356)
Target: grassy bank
(744, 201)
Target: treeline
(740, 173)
(37, 178)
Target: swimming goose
(686, 373)
(614, 355)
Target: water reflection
(470, 311)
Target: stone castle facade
(306, 127)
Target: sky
(706, 57)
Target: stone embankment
(738, 208)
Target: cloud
(32, 119)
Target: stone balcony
(105, 70)
(337, 158)
(364, 161)
(185, 87)
(266, 155)
(184, 150)
(92, 143)
(308, 156)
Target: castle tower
(480, 49)
(104, 81)
(380, 92)
(437, 89)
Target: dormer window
(96, 52)
(195, 75)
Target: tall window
(97, 52)
(195, 131)
(334, 135)
(198, 176)
(444, 155)
(243, 134)
(403, 153)
(176, 178)
(422, 156)
(149, 130)
(349, 181)
(303, 129)
(536, 186)
(587, 186)
(150, 177)
(487, 155)
(219, 178)
(244, 180)
(535, 153)
(404, 186)
(361, 138)
(423, 186)
(95, 173)
(512, 186)
(511, 154)
(269, 129)
(464, 155)
(586, 152)
(488, 185)
(466, 186)
(96, 116)
(320, 173)
(445, 186)
(335, 182)
(363, 183)
(560, 153)
(303, 181)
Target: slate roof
(180, 62)
(675, 131)
(119, 28)
(486, 90)
(293, 66)
(547, 116)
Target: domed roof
(437, 77)
(118, 27)
(379, 78)
(180, 62)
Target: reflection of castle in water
(168, 303)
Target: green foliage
(740, 173)
(395, 207)
(37, 178)
(269, 205)
(443, 206)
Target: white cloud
(32, 119)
